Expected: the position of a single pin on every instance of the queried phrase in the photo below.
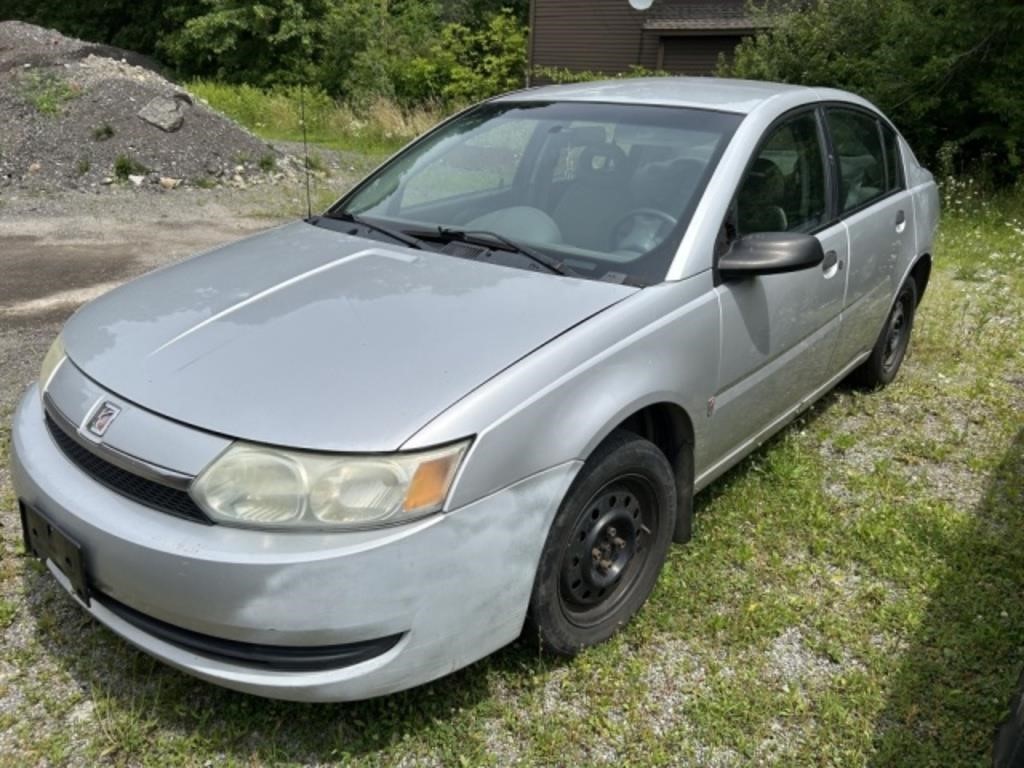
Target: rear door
(778, 331)
(874, 202)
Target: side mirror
(768, 253)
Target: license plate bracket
(48, 542)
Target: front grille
(159, 497)
(278, 657)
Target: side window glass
(893, 160)
(784, 190)
(859, 154)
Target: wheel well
(669, 427)
(921, 271)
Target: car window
(487, 160)
(859, 154)
(784, 189)
(893, 160)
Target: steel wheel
(606, 546)
(607, 549)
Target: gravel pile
(78, 115)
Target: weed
(126, 165)
(315, 163)
(268, 162)
(46, 91)
(83, 166)
(103, 132)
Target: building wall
(589, 35)
(608, 36)
(695, 55)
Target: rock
(108, 180)
(136, 180)
(168, 183)
(166, 114)
(35, 168)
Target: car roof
(741, 96)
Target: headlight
(53, 358)
(261, 487)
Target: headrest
(603, 163)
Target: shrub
(465, 65)
(561, 76)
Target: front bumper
(455, 586)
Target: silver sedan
(474, 398)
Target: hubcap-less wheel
(607, 549)
(896, 339)
(893, 341)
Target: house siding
(583, 35)
(695, 55)
(608, 36)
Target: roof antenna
(305, 149)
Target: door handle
(831, 259)
(901, 221)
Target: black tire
(606, 546)
(891, 347)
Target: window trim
(901, 171)
(879, 119)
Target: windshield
(607, 190)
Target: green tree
(946, 71)
(264, 43)
(136, 25)
(464, 64)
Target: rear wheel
(606, 546)
(891, 347)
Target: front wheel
(606, 546)
(891, 347)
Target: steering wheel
(641, 229)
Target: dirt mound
(78, 115)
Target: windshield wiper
(394, 234)
(487, 238)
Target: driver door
(778, 330)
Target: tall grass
(380, 128)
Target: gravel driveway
(58, 252)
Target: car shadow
(958, 671)
(134, 697)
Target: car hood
(310, 338)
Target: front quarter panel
(660, 345)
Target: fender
(559, 403)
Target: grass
(853, 596)
(379, 129)
(47, 92)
